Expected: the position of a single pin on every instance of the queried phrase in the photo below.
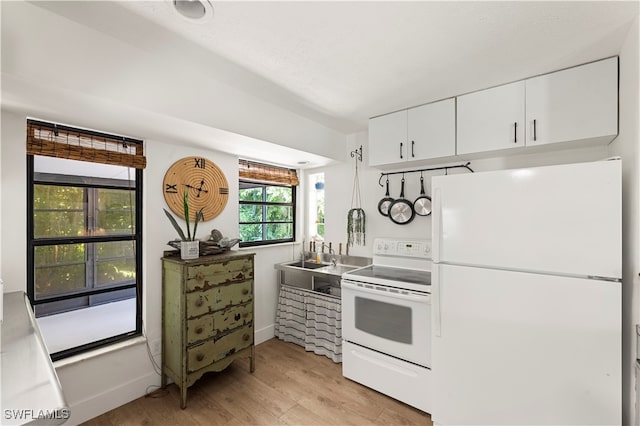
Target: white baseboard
(112, 398)
(264, 334)
(98, 404)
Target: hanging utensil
(385, 203)
(422, 204)
(401, 210)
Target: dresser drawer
(201, 277)
(231, 318)
(214, 350)
(217, 298)
(219, 322)
(199, 329)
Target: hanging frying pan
(401, 210)
(383, 205)
(422, 204)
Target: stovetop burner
(403, 264)
(398, 275)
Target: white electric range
(386, 321)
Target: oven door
(389, 320)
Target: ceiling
(338, 63)
(353, 60)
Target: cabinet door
(491, 119)
(432, 130)
(388, 139)
(579, 103)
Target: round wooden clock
(206, 187)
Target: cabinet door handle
(245, 291)
(199, 330)
(412, 145)
(246, 337)
(199, 357)
(401, 150)
(515, 132)
(534, 130)
(199, 302)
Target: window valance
(264, 173)
(56, 140)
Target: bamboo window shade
(264, 173)
(55, 140)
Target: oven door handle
(415, 297)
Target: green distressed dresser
(207, 315)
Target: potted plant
(189, 246)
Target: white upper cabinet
(566, 108)
(579, 103)
(419, 133)
(432, 130)
(491, 119)
(388, 138)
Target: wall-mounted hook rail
(357, 154)
(445, 168)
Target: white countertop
(31, 392)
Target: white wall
(13, 204)
(93, 384)
(626, 146)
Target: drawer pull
(199, 302)
(245, 291)
(199, 357)
(199, 330)
(246, 337)
(246, 314)
(199, 276)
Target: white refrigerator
(526, 293)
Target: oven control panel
(402, 248)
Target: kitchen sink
(312, 275)
(306, 265)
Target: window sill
(266, 246)
(134, 341)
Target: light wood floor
(289, 387)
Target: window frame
(264, 204)
(136, 237)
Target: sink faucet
(302, 255)
(331, 251)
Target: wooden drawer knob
(246, 337)
(199, 302)
(199, 276)
(245, 291)
(199, 357)
(199, 330)
(246, 314)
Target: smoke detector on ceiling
(194, 10)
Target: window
(316, 207)
(84, 266)
(267, 210)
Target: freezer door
(513, 348)
(558, 219)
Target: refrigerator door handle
(437, 225)
(436, 292)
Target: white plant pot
(189, 249)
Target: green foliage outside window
(64, 211)
(266, 212)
